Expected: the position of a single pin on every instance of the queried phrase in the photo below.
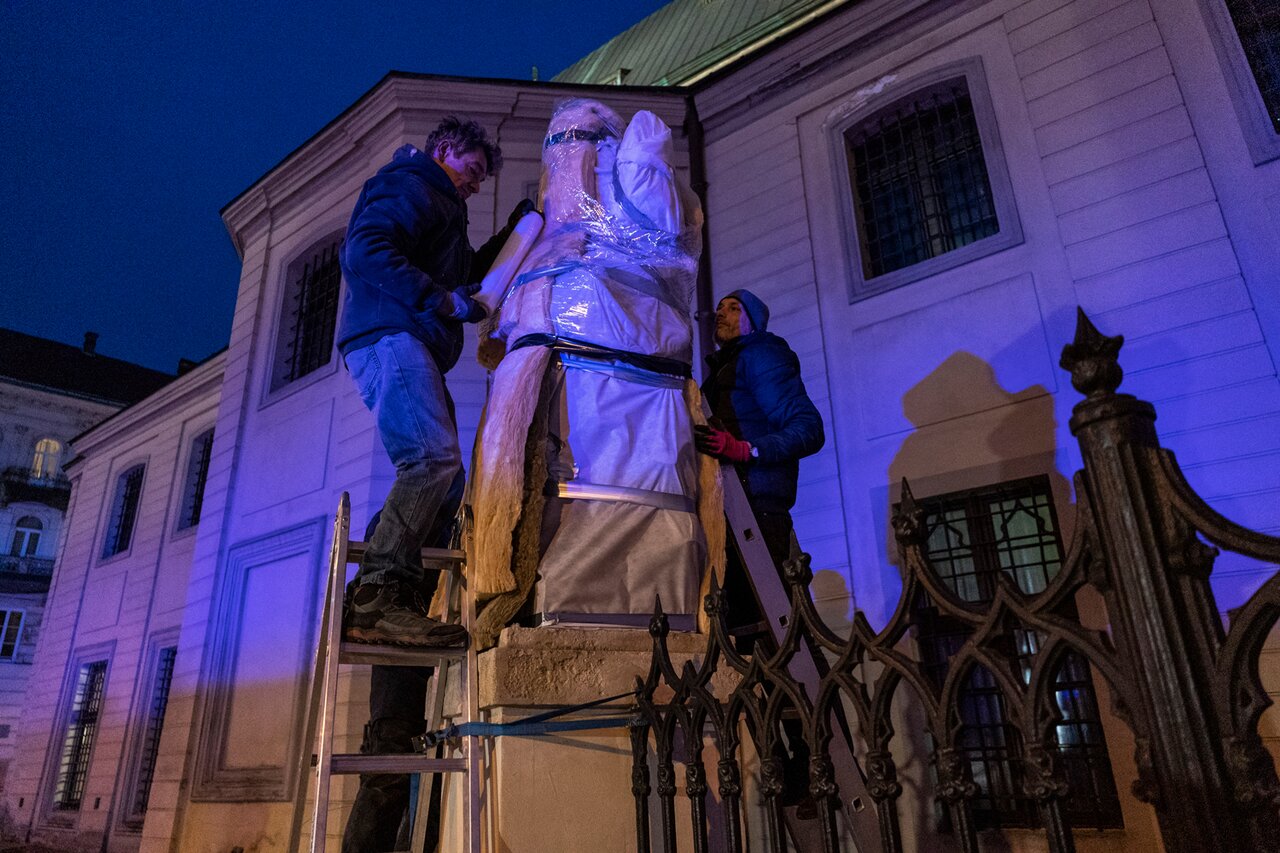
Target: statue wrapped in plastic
(588, 496)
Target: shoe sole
(363, 635)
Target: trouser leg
(397, 714)
(401, 384)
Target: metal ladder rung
(443, 558)
(347, 763)
(332, 651)
(368, 654)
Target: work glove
(721, 444)
(458, 305)
(526, 206)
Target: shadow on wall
(968, 433)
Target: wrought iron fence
(1188, 688)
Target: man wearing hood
(410, 273)
(763, 421)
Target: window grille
(1257, 23)
(919, 179)
(311, 308)
(26, 537)
(124, 511)
(197, 474)
(150, 747)
(10, 633)
(973, 536)
(77, 743)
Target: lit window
(48, 455)
(81, 730)
(124, 511)
(10, 633)
(1257, 23)
(310, 310)
(973, 537)
(149, 749)
(26, 537)
(193, 485)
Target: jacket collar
(729, 351)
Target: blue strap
(538, 724)
(577, 134)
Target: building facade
(922, 191)
(49, 393)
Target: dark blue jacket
(754, 389)
(406, 247)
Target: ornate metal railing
(1188, 689)
(42, 566)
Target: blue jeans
(401, 384)
(403, 387)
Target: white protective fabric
(612, 272)
(622, 436)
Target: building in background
(49, 393)
(923, 192)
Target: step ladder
(806, 667)
(322, 709)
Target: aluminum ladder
(861, 822)
(322, 709)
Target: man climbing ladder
(408, 266)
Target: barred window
(1257, 23)
(309, 313)
(124, 512)
(10, 633)
(193, 484)
(81, 730)
(149, 748)
(974, 536)
(919, 179)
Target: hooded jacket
(754, 389)
(406, 248)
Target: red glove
(721, 444)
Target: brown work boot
(395, 614)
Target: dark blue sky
(125, 127)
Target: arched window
(927, 188)
(26, 537)
(47, 459)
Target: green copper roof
(684, 38)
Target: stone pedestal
(572, 791)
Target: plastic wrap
(592, 342)
(615, 264)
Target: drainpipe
(704, 306)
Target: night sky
(125, 127)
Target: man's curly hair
(464, 135)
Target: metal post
(1163, 616)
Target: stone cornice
(203, 380)
(817, 54)
(340, 151)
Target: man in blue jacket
(763, 420)
(410, 273)
(763, 423)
